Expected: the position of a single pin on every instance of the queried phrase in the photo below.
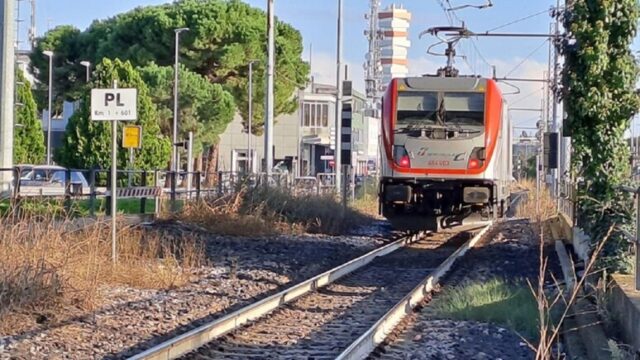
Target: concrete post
(269, 120)
(338, 120)
(7, 96)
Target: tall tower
(372, 66)
(394, 24)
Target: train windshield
(418, 109)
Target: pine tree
(28, 146)
(87, 143)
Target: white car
(46, 180)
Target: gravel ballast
(511, 253)
(242, 270)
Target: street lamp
(249, 133)
(50, 55)
(174, 166)
(87, 65)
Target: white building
(394, 23)
(303, 141)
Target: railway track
(344, 313)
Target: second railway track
(344, 313)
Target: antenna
(311, 58)
(373, 65)
(19, 22)
(32, 30)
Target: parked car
(46, 180)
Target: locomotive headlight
(401, 157)
(475, 195)
(477, 158)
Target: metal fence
(92, 186)
(567, 200)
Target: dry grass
(270, 211)
(528, 207)
(44, 267)
(367, 205)
(222, 216)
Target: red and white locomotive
(446, 151)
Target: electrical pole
(338, 121)
(555, 174)
(7, 95)
(176, 84)
(268, 124)
(250, 120)
(50, 107)
(32, 29)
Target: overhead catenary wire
(527, 58)
(518, 21)
(451, 15)
(525, 97)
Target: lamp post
(50, 55)
(87, 65)
(269, 100)
(250, 120)
(174, 157)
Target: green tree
(68, 74)
(205, 108)
(28, 145)
(87, 143)
(225, 35)
(599, 81)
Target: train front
(446, 152)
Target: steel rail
(370, 340)
(187, 342)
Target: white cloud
(530, 94)
(422, 66)
(324, 68)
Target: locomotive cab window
(419, 109)
(464, 109)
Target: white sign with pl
(114, 104)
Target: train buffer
(137, 192)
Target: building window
(315, 115)
(306, 115)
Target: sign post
(114, 105)
(131, 139)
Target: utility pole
(250, 120)
(32, 29)
(50, 55)
(555, 174)
(7, 92)
(190, 164)
(338, 120)
(176, 84)
(268, 124)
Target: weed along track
(485, 308)
(326, 320)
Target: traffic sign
(132, 137)
(114, 104)
(326, 157)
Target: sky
(317, 21)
